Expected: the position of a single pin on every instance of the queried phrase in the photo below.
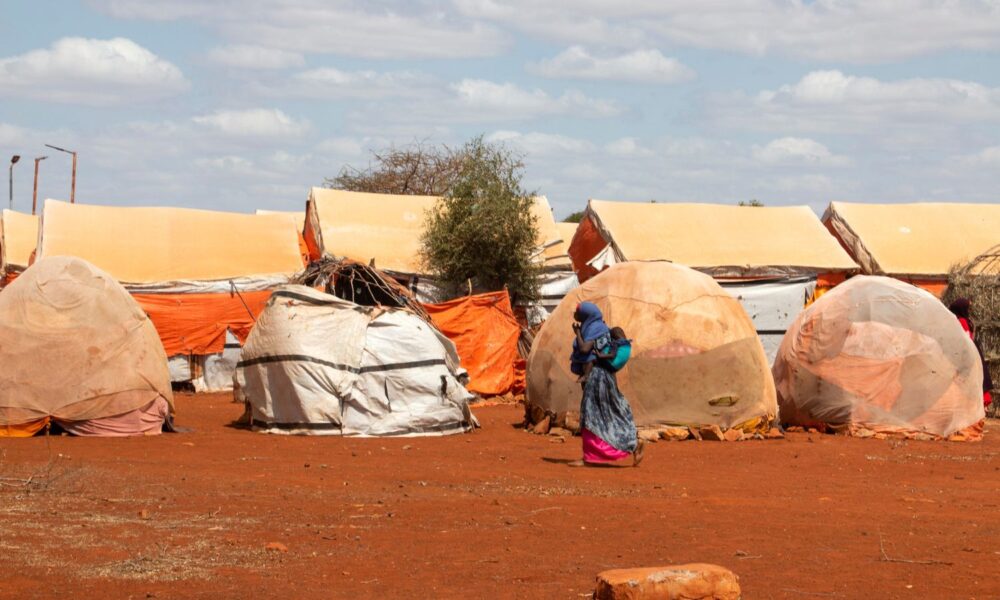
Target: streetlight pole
(72, 190)
(10, 177)
(34, 195)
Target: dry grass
(979, 281)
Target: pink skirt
(596, 450)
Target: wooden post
(72, 190)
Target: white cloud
(643, 66)
(244, 56)
(509, 100)
(831, 30)
(835, 102)
(797, 151)
(89, 71)
(535, 143)
(254, 122)
(627, 146)
(329, 82)
(385, 29)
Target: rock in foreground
(694, 581)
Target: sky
(246, 104)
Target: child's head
(617, 333)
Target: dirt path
(484, 515)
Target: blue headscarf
(593, 328)
(593, 325)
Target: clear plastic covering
(879, 356)
(75, 346)
(696, 358)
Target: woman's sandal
(637, 456)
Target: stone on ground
(696, 581)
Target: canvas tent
(298, 220)
(485, 333)
(773, 259)
(386, 229)
(77, 350)
(918, 243)
(696, 359)
(18, 236)
(879, 356)
(558, 277)
(202, 276)
(317, 364)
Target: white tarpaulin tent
(316, 364)
(772, 306)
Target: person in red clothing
(962, 308)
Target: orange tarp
(485, 334)
(197, 323)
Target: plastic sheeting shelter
(316, 364)
(768, 255)
(485, 333)
(918, 243)
(184, 267)
(18, 237)
(696, 359)
(76, 349)
(880, 356)
(386, 228)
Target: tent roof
(20, 235)
(560, 252)
(387, 227)
(919, 239)
(297, 217)
(720, 238)
(152, 245)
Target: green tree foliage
(574, 217)
(483, 231)
(753, 203)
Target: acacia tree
(482, 231)
(417, 169)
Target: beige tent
(917, 242)
(202, 276)
(386, 229)
(696, 360)
(879, 356)
(773, 259)
(725, 241)
(18, 236)
(76, 349)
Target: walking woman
(962, 308)
(606, 422)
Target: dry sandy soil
(493, 514)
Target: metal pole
(34, 195)
(10, 177)
(72, 190)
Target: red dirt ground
(485, 515)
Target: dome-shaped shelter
(696, 358)
(317, 364)
(879, 356)
(78, 350)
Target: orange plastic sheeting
(22, 429)
(586, 244)
(298, 219)
(935, 286)
(18, 236)
(485, 334)
(197, 323)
